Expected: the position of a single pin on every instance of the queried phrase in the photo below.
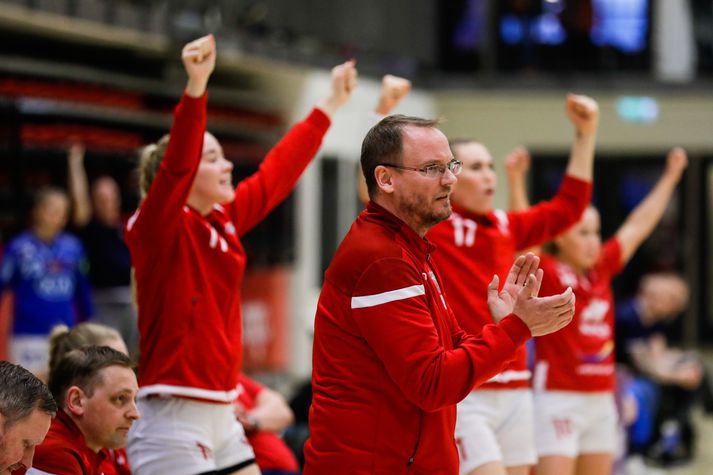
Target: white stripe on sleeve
(385, 297)
(34, 471)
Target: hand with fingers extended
(676, 162)
(524, 274)
(544, 315)
(583, 112)
(393, 89)
(199, 61)
(344, 81)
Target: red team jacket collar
(72, 428)
(76, 433)
(376, 212)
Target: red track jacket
(189, 268)
(390, 361)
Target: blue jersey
(49, 281)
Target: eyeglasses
(434, 170)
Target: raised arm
(199, 61)
(583, 112)
(393, 89)
(78, 186)
(160, 213)
(344, 81)
(277, 176)
(642, 220)
(517, 164)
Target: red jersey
(115, 462)
(271, 452)
(65, 452)
(389, 359)
(580, 357)
(189, 268)
(473, 247)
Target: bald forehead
(430, 140)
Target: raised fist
(393, 89)
(583, 112)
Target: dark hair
(383, 144)
(46, 192)
(63, 339)
(21, 392)
(81, 368)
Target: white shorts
(495, 426)
(31, 352)
(185, 437)
(570, 423)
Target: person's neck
(391, 207)
(577, 270)
(93, 446)
(44, 234)
(203, 207)
(108, 221)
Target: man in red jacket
(95, 387)
(390, 361)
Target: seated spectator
(264, 413)
(96, 215)
(46, 270)
(96, 388)
(26, 410)
(666, 382)
(64, 340)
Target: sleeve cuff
(515, 329)
(576, 185)
(319, 119)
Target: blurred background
(107, 73)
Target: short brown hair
(150, 158)
(81, 368)
(21, 392)
(383, 145)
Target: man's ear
(75, 401)
(384, 179)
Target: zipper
(418, 440)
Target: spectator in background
(99, 225)
(26, 409)
(264, 413)
(666, 381)
(46, 269)
(95, 387)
